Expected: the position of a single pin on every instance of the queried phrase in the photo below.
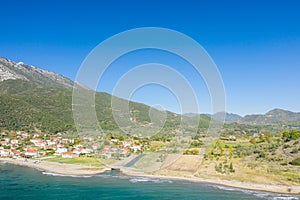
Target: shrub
(296, 162)
(191, 152)
(196, 144)
(284, 164)
(295, 151)
(252, 141)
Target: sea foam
(145, 179)
(65, 175)
(259, 194)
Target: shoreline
(82, 170)
(276, 189)
(59, 168)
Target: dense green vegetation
(28, 106)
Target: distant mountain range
(276, 116)
(229, 117)
(220, 116)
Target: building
(70, 154)
(16, 153)
(4, 153)
(31, 152)
(61, 150)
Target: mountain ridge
(21, 84)
(32, 98)
(274, 116)
(10, 70)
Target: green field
(95, 162)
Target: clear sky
(255, 44)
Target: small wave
(263, 195)
(65, 175)
(227, 188)
(110, 176)
(144, 179)
(273, 196)
(285, 198)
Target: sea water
(17, 182)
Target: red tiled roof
(69, 153)
(16, 152)
(31, 150)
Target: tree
(231, 169)
(290, 135)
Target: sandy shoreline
(65, 169)
(80, 170)
(279, 189)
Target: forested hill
(275, 116)
(32, 98)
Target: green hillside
(275, 116)
(27, 106)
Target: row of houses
(77, 151)
(28, 153)
(37, 145)
(119, 149)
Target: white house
(4, 152)
(70, 154)
(86, 151)
(127, 144)
(136, 148)
(14, 142)
(50, 142)
(61, 150)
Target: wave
(259, 194)
(66, 175)
(285, 198)
(133, 179)
(144, 179)
(273, 196)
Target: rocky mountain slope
(10, 70)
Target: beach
(59, 168)
(280, 189)
(80, 170)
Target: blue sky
(255, 44)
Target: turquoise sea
(18, 182)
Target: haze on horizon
(255, 45)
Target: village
(38, 145)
